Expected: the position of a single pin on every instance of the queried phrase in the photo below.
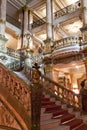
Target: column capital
(26, 8)
(2, 21)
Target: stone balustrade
(16, 86)
(14, 53)
(69, 9)
(67, 42)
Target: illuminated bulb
(77, 67)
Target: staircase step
(47, 103)
(77, 114)
(66, 118)
(84, 118)
(45, 99)
(42, 110)
(52, 108)
(48, 124)
(64, 106)
(46, 116)
(47, 96)
(58, 102)
(70, 110)
(59, 112)
(61, 127)
(52, 99)
(74, 123)
(83, 127)
(57, 116)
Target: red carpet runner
(56, 116)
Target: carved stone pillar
(25, 29)
(30, 20)
(25, 19)
(3, 40)
(49, 26)
(2, 17)
(84, 17)
(36, 94)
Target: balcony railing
(13, 21)
(69, 9)
(67, 42)
(19, 55)
(39, 22)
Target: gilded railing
(64, 94)
(29, 95)
(55, 89)
(16, 86)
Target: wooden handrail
(59, 91)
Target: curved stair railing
(61, 93)
(57, 90)
(19, 90)
(16, 86)
(30, 97)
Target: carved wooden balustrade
(29, 95)
(66, 95)
(16, 86)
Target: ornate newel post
(36, 94)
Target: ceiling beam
(36, 3)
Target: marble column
(3, 40)
(49, 19)
(85, 64)
(84, 29)
(30, 17)
(84, 18)
(25, 29)
(25, 19)
(84, 5)
(2, 17)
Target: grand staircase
(57, 116)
